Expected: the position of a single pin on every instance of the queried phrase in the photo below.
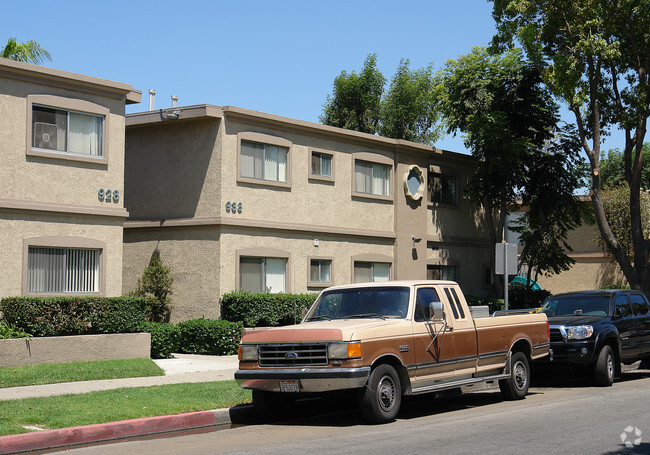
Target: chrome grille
(290, 355)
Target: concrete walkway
(182, 368)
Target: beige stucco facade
(49, 196)
(188, 198)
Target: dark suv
(599, 329)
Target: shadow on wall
(610, 275)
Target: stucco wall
(307, 201)
(83, 348)
(586, 273)
(52, 179)
(172, 170)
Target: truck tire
(645, 364)
(270, 406)
(382, 396)
(605, 367)
(516, 386)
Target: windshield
(577, 305)
(386, 302)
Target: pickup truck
(599, 329)
(385, 340)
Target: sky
(278, 57)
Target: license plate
(289, 386)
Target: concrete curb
(111, 431)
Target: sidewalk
(183, 368)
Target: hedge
(165, 338)
(56, 316)
(262, 309)
(210, 336)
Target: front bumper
(309, 379)
(572, 352)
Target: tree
(595, 56)
(408, 110)
(156, 283)
(355, 102)
(510, 126)
(612, 168)
(29, 52)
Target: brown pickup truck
(386, 340)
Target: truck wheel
(382, 395)
(605, 368)
(516, 386)
(645, 364)
(271, 406)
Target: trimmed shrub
(494, 304)
(165, 338)
(56, 316)
(210, 336)
(262, 309)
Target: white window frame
(69, 106)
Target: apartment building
(61, 181)
(238, 199)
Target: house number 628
(108, 195)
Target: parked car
(385, 340)
(599, 329)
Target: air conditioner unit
(45, 135)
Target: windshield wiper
(363, 315)
(320, 318)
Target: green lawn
(120, 404)
(78, 371)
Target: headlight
(344, 350)
(247, 353)
(579, 332)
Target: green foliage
(593, 55)
(616, 203)
(261, 309)
(612, 168)
(210, 336)
(29, 52)
(165, 338)
(520, 298)
(156, 284)
(494, 304)
(6, 331)
(355, 102)
(54, 316)
(409, 110)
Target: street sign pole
(505, 259)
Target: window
(372, 178)
(321, 164)
(443, 188)
(639, 304)
(441, 272)
(623, 305)
(63, 270)
(425, 296)
(264, 161)
(67, 131)
(371, 271)
(263, 274)
(320, 271)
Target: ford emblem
(291, 355)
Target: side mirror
(436, 312)
(620, 312)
